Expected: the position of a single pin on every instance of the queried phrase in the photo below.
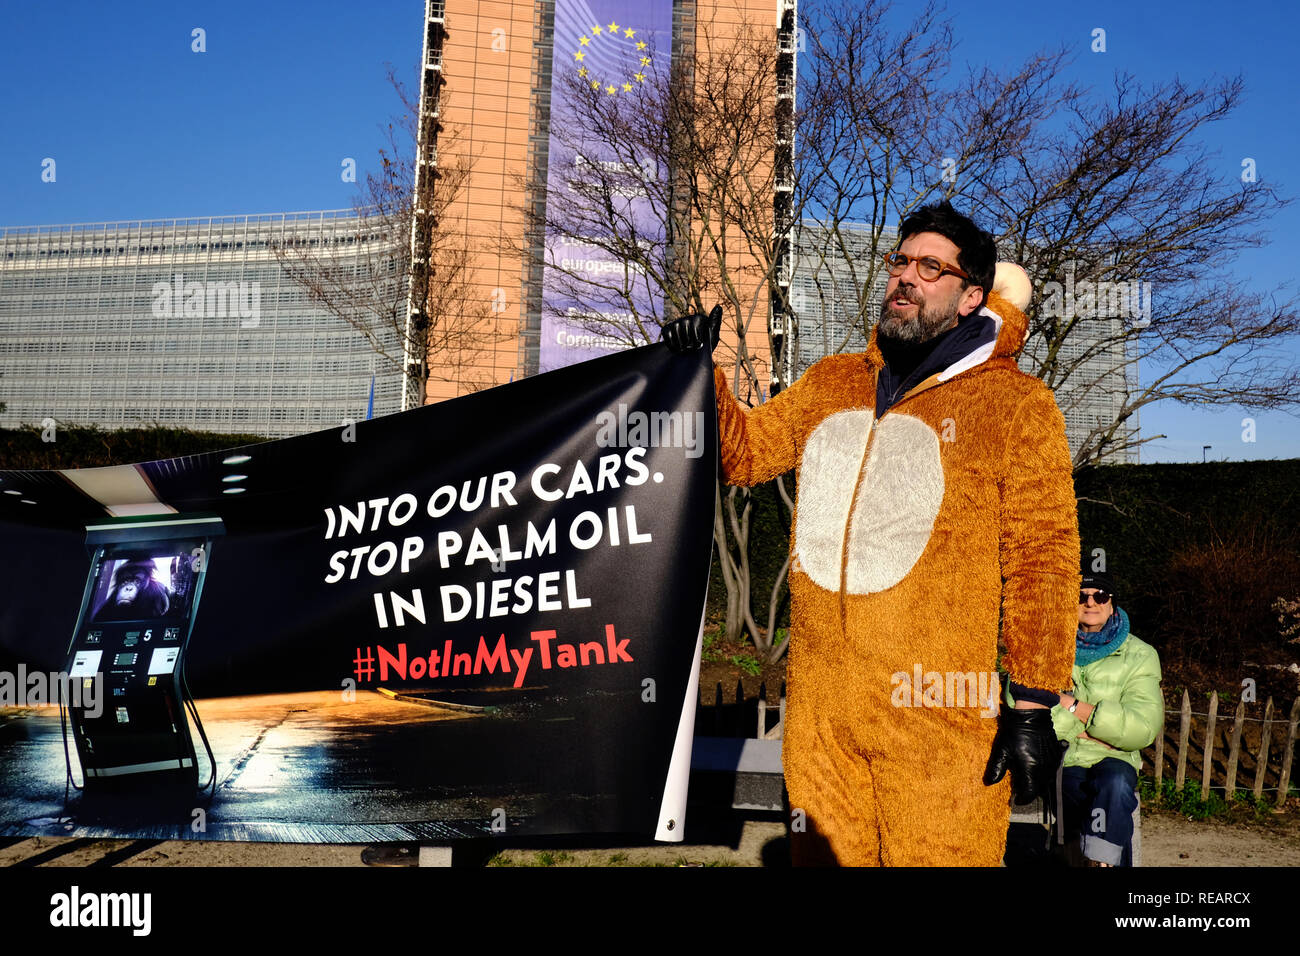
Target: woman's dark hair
(977, 255)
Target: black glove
(690, 332)
(1026, 745)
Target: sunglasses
(1101, 597)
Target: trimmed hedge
(85, 446)
(1228, 532)
(1199, 552)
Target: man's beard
(931, 319)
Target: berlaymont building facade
(496, 78)
(188, 323)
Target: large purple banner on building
(609, 64)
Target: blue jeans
(1099, 805)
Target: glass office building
(1101, 381)
(829, 271)
(193, 323)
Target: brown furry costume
(911, 534)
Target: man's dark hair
(977, 255)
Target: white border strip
(153, 524)
(140, 768)
(672, 808)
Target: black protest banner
(477, 617)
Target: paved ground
(269, 747)
(1168, 841)
(57, 851)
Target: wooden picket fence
(741, 717)
(1197, 742)
(1204, 734)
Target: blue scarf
(1091, 647)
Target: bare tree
(423, 318)
(1130, 228)
(1126, 224)
(1107, 189)
(884, 128)
(670, 180)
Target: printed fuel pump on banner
(137, 612)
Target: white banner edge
(672, 808)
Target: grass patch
(710, 653)
(683, 861)
(1241, 807)
(552, 858)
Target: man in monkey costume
(934, 499)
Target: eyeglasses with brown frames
(927, 267)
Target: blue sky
(141, 127)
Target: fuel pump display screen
(136, 621)
(144, 587)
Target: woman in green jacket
(1111, 712)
